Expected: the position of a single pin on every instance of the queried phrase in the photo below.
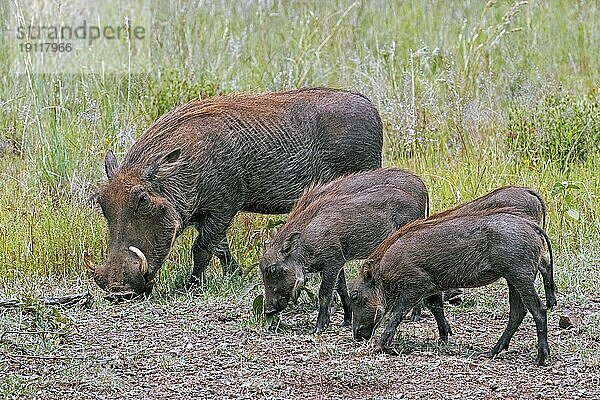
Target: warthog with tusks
(201, 163)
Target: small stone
(569, 320)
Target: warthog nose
(275, 304)
(359, 334)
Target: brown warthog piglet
(343, 220)
(430, 256)
(527, 201)
(201, 163)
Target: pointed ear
(171, 157)
(366, 270)
(110, 164)
(165, 165)
(89, 265)
(274, 232)
(290, 243)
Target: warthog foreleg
(211, 234)
(328, 284)
(404, 302)
(435, 304)
(342, 289)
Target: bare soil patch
(196, 348)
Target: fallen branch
(6, 333)
(79, 299)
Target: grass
(472, 96)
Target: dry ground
(190, 347)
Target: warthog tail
(546, 269)
(542, 203)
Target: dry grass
(472, 96)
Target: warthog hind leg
(517, 313)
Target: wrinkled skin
(203, 162)
(439, 254)
(137, 216)
(334, 223)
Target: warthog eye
(356, 298)
(144, 204)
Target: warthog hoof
(318, 330)
(195, 281)
(391, 350)
(543, 353)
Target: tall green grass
(472, 95)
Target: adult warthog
(201, 163)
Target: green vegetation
(472, 96)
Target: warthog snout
(362, 332)
(276, 304)
(124, 276)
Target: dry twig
(79, 299)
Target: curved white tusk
(297, 287)
(142, 257)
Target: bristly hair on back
(308, 196)
(492, 193)
(232, 104)
(444, 213)
(435, 219)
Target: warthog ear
(170, 157)
(110, 164)
(290, 243)
(165, 165)
(366, 269)
(89, 265)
